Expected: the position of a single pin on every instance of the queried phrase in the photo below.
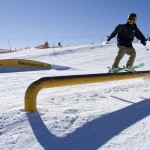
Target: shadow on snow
(93, 134)
(19, 69)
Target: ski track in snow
(109, 115)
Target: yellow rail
(23, 63)
(48, 82)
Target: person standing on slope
(125, 35)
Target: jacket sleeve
(139, 35)
(114, 33)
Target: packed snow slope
(105, 116)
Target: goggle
(131, 20)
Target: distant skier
(125, 35)
(59, 44)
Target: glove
(108, 39)
(143, 42)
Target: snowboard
(128, 69)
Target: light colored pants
(122, 51)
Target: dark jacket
(126, 33)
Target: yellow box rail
(48, 82)
(23, 63)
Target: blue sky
(68, 21)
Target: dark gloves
(108, 39)
(143, 42)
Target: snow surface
(105, 116)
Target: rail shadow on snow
(93, 134)
(58, 67)
(17, 69)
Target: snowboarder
(125, 35)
